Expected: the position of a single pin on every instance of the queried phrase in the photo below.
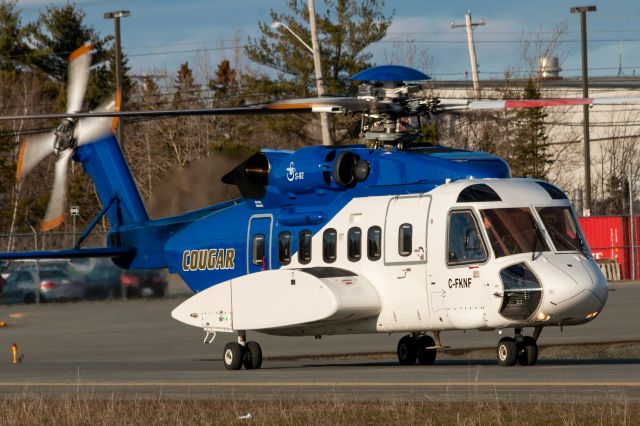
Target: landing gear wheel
(232, 356)
(527, 351)
(507, 352)
(426, 356)
(252, 358)
(407, 350)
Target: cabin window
(405, 243)
(329, 242)
(304, 246)
(374, 240)
(354, 244)
(284, 248)
(464, 242)
(258, 249)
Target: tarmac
(134, 349)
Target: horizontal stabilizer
(280, 299)
(71, 253)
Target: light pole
(116, 19)
(315, 51)
(582, 10)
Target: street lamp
(116, 15)
(315, 51)
(582, 10)
(275, 25)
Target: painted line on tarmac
(323, 384)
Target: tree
(59, 31)
(345, 30)
(14, 51)
(530, 155)
(226, 81)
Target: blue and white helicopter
(391, 236)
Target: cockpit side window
(464, 243)
(562, 228)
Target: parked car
(50, 283)
(101, 278)
(144, 283)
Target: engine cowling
(300, 172)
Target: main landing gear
(521, 349)
(242, 353)
(414, 347)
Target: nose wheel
(521, 349)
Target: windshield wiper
(536, 235)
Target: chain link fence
(30, 241)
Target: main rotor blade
(55, 209)
(294, 106)
(79, 63)
(32, 151)
(463, 104)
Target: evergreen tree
(345, 30)
(59, 31)
(14, 52)
(226, 82)
(530, 149)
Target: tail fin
(105, 163)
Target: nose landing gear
(521, 349)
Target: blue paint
(390, 73)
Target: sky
(161, 34)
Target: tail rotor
(69, 134)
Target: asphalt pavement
(135, 349)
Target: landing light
(592, 315)
(542, 316)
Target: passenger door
(405, 257)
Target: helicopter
(393, 235)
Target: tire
(407, 350)
(426, 356)
(146, 291)
(30, 298)
(507, 352)
(528, 351)
(252, 358)
(232, 356)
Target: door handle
(405, 270)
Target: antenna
(620, 71)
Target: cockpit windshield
(512, 231)
(562, 228)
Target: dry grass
(79, 411)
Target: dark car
(144, 283)
(26, 285)
(101, 278)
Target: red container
(608, 237)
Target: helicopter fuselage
(486, 253)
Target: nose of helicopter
(576, 292)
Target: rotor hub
(64, 136)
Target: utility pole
(324, 117)
(582, 10)
(116, 19)
(472, 49)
